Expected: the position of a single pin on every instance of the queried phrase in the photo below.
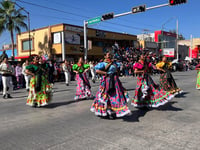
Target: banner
(72, 38)
(168, 52)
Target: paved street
(69, 125)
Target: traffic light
(81, 48)
(138, 9)
(176, 2)
(107, 16)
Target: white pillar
(191, 46)
(177, 36)
(85, 41)
(63, 46)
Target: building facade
(8, 49)
(194, 47)
(66, 40)
(165, 39)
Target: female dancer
(147, 93)
(111, 98)
(40, 89)
(167, 81)
(198, 77)
(83, 88)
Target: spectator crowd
(62, 71)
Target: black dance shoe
(9, 96)
(4, 96)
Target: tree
(181, 37)
(46, 47)
(11, 19)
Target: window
(25, 45)
(56, 38)
(99, 43)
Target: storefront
(64, 39)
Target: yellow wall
(196, 42)
(57, 48)
(57, 28)
(37, 36)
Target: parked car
(177, 65)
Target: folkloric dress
(111, 96)
(167, 81)
(40, 89)
(147, 93)
(83, 88)
(198, 77)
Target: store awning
(21, 57)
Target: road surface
(69, 125)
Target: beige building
(149, 45)
(194, 47)
(65, 41)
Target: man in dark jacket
(51, 71)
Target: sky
(50, 12)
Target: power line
(53, 9)
(63, 18)
(78, 8)
(71, 6)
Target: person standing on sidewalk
(26, 76)
(67, 71)
(7, 72)
(92, 71)
(18, 73)
(51, 72)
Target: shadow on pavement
(182, 95)
(169, 107)
(136, 114)
(59, 104)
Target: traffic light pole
(85, 40)
(149, 8)
(115, 16)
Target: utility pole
(191, 46)
(85, 40)
(177, 36)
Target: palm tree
(11, 19)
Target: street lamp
(29, 26)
